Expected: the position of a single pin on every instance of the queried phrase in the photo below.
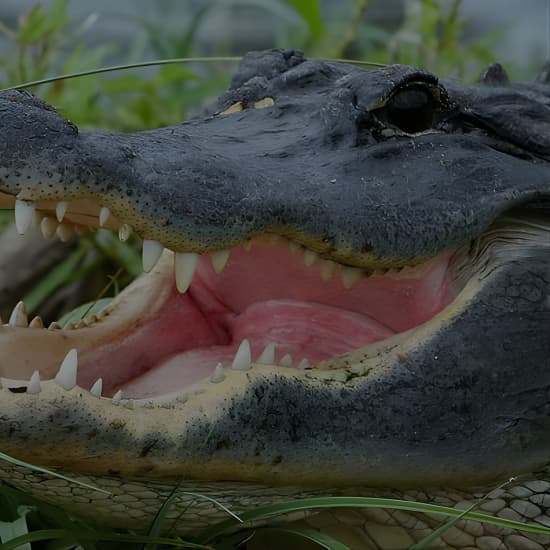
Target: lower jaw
(281, 303)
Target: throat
(290, 308)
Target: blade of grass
(81, 312)
(62, 534)
(213, 59)
(324, 541)
(21, 463)
(112, 68)
(267, 512)
(160, 516)
(429, 541)
(55, 279)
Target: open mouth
(268, 301)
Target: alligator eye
(412, 109)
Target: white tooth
(294, 247)
(124, 232)
(96, 389)
(60, 210)
(309, 257)
(66, 376)
(327, 270)
(48, 226)
(267, 357)
(350, 275)
(64, 232)
(243, 357)
(34, 383)
(219, 259)
(304, 364)
(185, 264)
(117, 397)
(152, 251)
(218, 374)
(24, 215)
(286, 361)
(18, 317)
(36, 322)
(54, 325)
(104, 214)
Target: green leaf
(322, 540)
(56, 278)
(63, 534)
(81, 313)
(10, 530)
(41, 470)
(311, 13)
(266, 512)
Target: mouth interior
(272, 294)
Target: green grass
(16, 509)
(44, 44)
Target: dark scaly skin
(328, 166)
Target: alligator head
(348, 285)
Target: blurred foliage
(46, 42)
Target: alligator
(346, 292)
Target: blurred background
(450, 37)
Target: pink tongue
(311, 331)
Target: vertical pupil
(411, 110)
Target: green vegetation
(45, 43)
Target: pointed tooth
(218, 374)
(293, 247)
(185, 264)
(97, 388)
(64, 232)
(54, 325)
(66, 376)
(60, 210)
(36, 322)
(24, 215)
(124, 232)
(18, 317)
(34, 383)
(309, 257)
(267, 357)
(243, 357)
(104, 215)
(350, 275)
(304, 364)
(286, 360)
(327, 270)
(48, 227)
(152, 251)
(219, 259)
(117, 397)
